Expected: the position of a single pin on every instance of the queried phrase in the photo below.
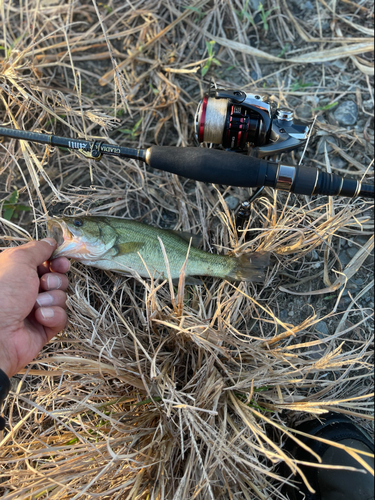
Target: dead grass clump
(156, 392)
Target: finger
(35, 253)
(53, 281)
(44, 268)
(53, 319)
(60, 265)
(52, 298)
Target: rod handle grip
(210, 165)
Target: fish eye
(78, 222)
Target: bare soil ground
(151, 394)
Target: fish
(125, 246)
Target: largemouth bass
(121, 245)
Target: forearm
(4, 390)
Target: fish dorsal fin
(197, 239)
(125, 248)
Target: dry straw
(156, 392)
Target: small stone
(313, 100)
(361, 240)
(344, 303)
(232, 202)
(308, 5)
(325, 24)
(338, 162)
(322, 144)
(352, 251)
(340, 63)
(283, 315)
(314, 255)
(368, 104)
(361, 122)
(322, 328)
(291, 313)
(316, 352)
(344, 258)
(254, 75)
(357, 281)
(257, 18)
(304, 111)
(351, 286)
(346, 113)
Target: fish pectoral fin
(196, 239)
(125, 248)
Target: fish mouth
(66, 243)
(56, 231)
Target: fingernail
(50, 241)
(53, 282)
(44, 299)
(47, 312)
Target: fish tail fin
(249, 267)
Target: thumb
(35, 253)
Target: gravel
(304, 111)
(314, 255)
(322, 141)
(346, 113)
(283, 314)
(254, 75)
(357, 281)
(232, 202)
(361, 240)
(344, 258)
(352, 251)
(338, 162)
(322, 328)
(344, 303)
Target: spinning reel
(247, 123)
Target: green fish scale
(199, 262)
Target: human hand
(32, 301)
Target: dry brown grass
(153, 392)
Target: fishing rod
(235, 120)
